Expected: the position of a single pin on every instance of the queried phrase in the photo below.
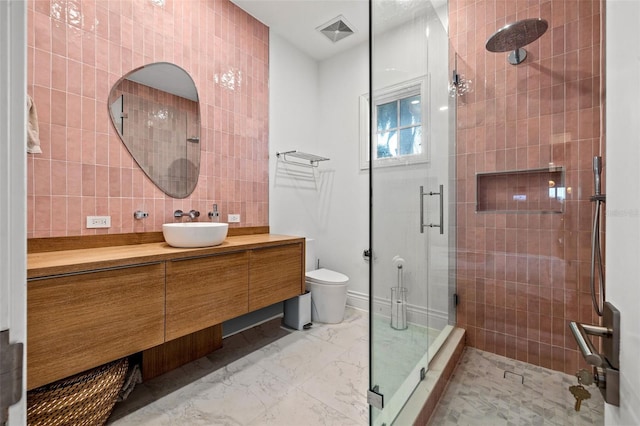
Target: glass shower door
(412, 184)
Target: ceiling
(297, 20)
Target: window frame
(368, 133)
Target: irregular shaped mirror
(156, 112)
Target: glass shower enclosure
(411, 163)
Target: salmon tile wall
(77, 50)
(522, 277)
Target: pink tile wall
(77, 49)
(523, 277)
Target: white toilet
(328, 289)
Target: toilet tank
(311, 262)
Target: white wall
(294, 193)
(344, 209)
(623, 196)
(314, 107)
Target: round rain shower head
(516, 35)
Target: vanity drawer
(275, 274)
(205, 291)
(82, 320)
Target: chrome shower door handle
(422, 194)
(441, 194)
(431, 225)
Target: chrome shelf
(300, 158)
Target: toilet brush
(399, 299)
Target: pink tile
(74, 77)
(42, 68)
(74, 145)
(115, 210)
(74, 179)
(89, 49)
(74, 43)
(102, 148)
(59, 213)
(58, 178)
(88, 147)
(102, 54)
(74, 216)
(58, 38)
(42, 177)
(114, 182)
(59, 107)
(88, 106)
(42, 222)
(102, 21)
(102, 181)
(74, 111)
(42, 30)
(58, 142)
(88, 180)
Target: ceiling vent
(336, 29)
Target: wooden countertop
(45, 264)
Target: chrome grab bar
(589, 351)
(431, 225)
(596, 330)
(607, 363)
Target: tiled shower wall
(77, 49)
(523, 276)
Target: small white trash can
(297, 311)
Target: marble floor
(479, 394)
(272, 375)
(267, 375)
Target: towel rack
(313, 159)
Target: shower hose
(596, 257)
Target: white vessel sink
(195, 234)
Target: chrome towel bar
(313, 160)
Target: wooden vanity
(124, 294)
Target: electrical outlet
(98, 221)
(233, 218)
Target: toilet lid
(326, 276)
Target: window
(400, 128)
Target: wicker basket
(84, 399)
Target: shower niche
(521, 191)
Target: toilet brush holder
(399, 308)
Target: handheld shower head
(597, 170)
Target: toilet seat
(326, 277)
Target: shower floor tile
(480, 394)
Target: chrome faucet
(215, 214)
(191, 215)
